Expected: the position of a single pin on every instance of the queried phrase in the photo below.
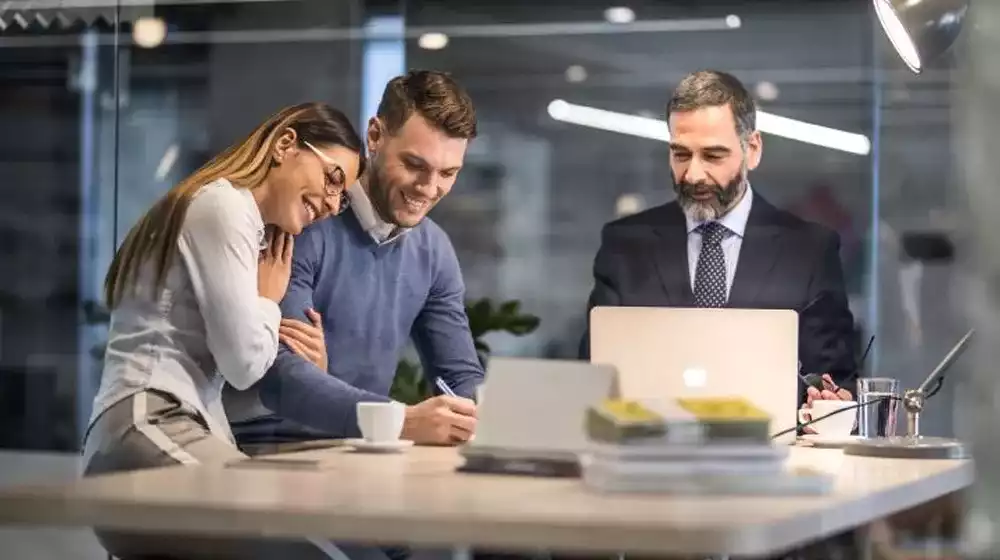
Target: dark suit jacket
(785, 263)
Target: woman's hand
(274, 266)
(304, 339)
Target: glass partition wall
(109, 104)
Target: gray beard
(707, 211)
(699, 212)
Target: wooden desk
(417, 498)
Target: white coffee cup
(381, 422)
(838, 425)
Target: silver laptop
(537, 408)
(680, 352)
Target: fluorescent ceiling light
(809, 133)
(656, 129)
(634, 125)
(167, 161)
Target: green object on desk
(678, 421)
(618, 421)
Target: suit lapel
(759, 254)
(672, 257)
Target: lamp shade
(921, 29)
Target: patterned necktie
(710, 276)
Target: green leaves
(484, 318)
(410, 387)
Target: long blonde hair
(245, 164)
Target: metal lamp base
(909, 447)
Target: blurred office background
(105, 104)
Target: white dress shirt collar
(380, 230)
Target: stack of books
(690, 446)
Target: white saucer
(819, 440)
(380, 446)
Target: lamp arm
(946, 362)
(913, 399)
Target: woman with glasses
(194, 291)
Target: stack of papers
(690, 446)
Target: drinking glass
(878, 398)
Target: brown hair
(245, 164)
(433, 95)
(712, 88)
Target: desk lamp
(914, 445)
(920, 30)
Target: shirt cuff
(271, 311)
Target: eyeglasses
(334, 178)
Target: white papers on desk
(700, 470)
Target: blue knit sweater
(373, 298)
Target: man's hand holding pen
(830, 392)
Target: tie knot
(713, 232)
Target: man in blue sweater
(371, 278)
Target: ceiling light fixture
(920, 30)
(433, 41)
(619, 14)
(149, 32)
(766, 91)
(576, 74)
(656, 129)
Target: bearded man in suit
(722, 244)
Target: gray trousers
(154, 429)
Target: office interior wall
(85, 154)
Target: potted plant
(410, 386)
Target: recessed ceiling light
(628, 204)
(576, 74)
(149, 32)
(433, 41)
(733, 21)
(619, 14)
(767, 91)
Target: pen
(444, 387)
(833, 387)
(819, 382)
